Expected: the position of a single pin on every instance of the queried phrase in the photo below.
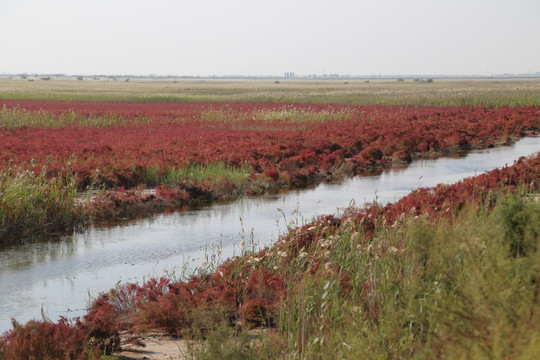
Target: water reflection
(59, 274)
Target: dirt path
(158, 347)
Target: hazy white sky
(252, 37)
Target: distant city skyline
(250, 38)
(25, 75)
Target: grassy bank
(461, 288)
(33, 204)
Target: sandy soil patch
(157, 347)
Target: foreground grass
(459, 288)
(442, 92)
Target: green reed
(31, 203)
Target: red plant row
(175, 136)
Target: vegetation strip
(439, 92)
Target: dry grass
(497, 92)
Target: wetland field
(441, 263)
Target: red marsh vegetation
(191, 152)
(129, 144)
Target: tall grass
(31, 204)
(287, 113)
(420, 289)
(425, 290)
(18, 118)
(211, 174)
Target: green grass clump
(218, 177)
(31, 204)
(211, 174)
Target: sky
(253, 37)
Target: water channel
(59, 276)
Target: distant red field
(283, 141)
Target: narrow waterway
(58, 277)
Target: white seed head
(326, 243)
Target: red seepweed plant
(298, 141)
